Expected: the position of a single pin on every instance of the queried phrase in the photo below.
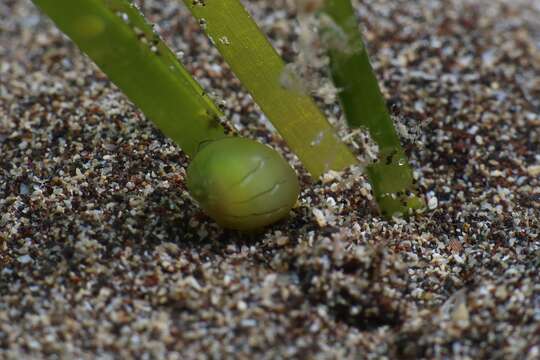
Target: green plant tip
(242, 184)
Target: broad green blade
(261, 70)
(364, 106)
(115, 35)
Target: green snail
(241, 183)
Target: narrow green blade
(353, 75)
(115, 35)
(260, 69)
(364, 106)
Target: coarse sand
(104, 255)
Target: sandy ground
(103, 254)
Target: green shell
(241, 183)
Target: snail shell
(241, 183)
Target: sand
(104, 255)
